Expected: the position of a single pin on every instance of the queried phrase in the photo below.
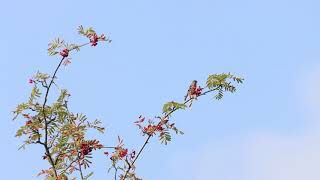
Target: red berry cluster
(123, 152)
(198, 91)
(64, 53)
(27, 116)
(150, 129)
(159, 128)
(94, 38)
(31, 81)
(119, 153)
(28, 123)
(85, 149)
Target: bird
(192, 90)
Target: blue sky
(267, 130)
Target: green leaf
(63, 95)
(74, 46)
(35, 93)
(177, 131)
(220, 82)
(165, 137)
(80, 29)
(52, 53)
(41, 76)
(50, 178)
(85, 32)
(170, 106)
(238, 80)
(215, 80)
(96, 125)
(55, 44)
(87, 176)
(219, 95)
(21, 131)
(19, 109)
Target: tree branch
(150, 135)
(80, 169)
(46, 122)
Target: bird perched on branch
(192, 90)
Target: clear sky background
(268, 130)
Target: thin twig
(45, 119)
(150, 135)
(65, 170)
(115, 173)
(80, 169)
